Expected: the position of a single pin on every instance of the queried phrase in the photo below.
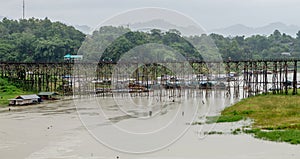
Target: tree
(36, 40)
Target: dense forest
(36, 40)
(114, 47)
(275, 46)
(40, 40)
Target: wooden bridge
(250, 77)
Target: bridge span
(104, 78)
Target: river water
(130, 128)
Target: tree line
(275, 46)
(208, 47)
(37, 40)
(41, 40)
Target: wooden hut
(48, 95)
(25, 100)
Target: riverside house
(48, 95)
(25, 100)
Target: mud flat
(55, 131)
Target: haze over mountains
(240, 29)
(234, 30)
(84, 28)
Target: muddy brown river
(101, 128)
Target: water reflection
(136, 120)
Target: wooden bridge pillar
(265, 74)
(295, 78)
(227, 69)
(286, 77)
(275, 86)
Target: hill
(111, 43)
(239, 30)
(37, 40)
(84, 28)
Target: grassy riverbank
(276, 117)
(9, 91)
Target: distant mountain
(152, 24)
(165, 26)
(234, 30)
(240, 29)
(84, 28)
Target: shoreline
(54, 130)
(38, 105)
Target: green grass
(276, 117)
(267, 111)
(290, 136)
(9, 91)
(236, 131)
(223, 118)
(229, 118)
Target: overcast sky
(210, 14)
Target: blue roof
(69, 56)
